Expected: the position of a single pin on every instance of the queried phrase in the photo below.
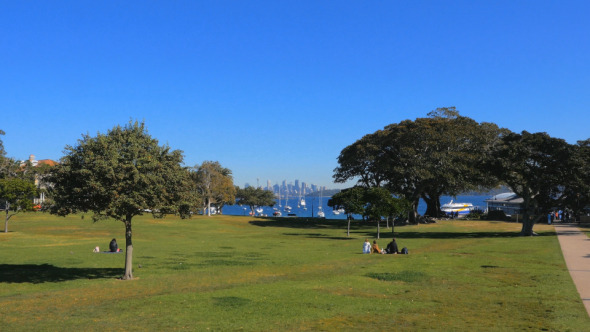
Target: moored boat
(458, 209)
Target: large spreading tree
(120, 175)
(425, 158)
(537, 168)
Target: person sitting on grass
(113, 246)
(392, 247)
(367, 247)
(375, 248)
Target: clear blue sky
(276, 89)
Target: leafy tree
(120, 175)
(362, 160)
(254, 197)
(454, 148)
(352, 200)
(380, 203)
(535, 166)
(425, 158)
(576, 192)
(2, 151)
(214, 184)
(8, 166)
(374, 202)
(16, 195)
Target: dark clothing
(392, 248)
(113, 246)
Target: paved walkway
(575, 246)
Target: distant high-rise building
(268, 185)
(297, 186)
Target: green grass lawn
(242, 273)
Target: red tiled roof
(47, 162)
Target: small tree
(120, 175)
(16, 195)
(352, 200)
(254, 197)
(380, 203)
(214, 185)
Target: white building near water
(510, 203)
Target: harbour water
(313, 203)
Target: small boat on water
(461, 209)
(321, 213)
(339, 211)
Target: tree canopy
(119, 175)
(254, 197)
(537, 168)
(16, 195)
(424, 158)
(214, 184)
(372, 202)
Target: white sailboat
(321, 213)
(287, 207)
(280, 197)
(302, 198)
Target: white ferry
(461, 209)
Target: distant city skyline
(294, 187)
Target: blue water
(312, 204)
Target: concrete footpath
(575, 247)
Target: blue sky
(276, 89)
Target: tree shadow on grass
(319, 236)
(40, 273)
(464, 235)
(302, 223)
(360, 229)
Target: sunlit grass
(239, 273)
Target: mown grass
(240, 273)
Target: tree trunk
(378, 228)
(7, 207)
(432, 205)
(527, 221)
(348, 229)
(413, 213)
(129, 250)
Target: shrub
(496, 215)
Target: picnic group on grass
(390, 249)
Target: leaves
(119, 174)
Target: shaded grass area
(239, 273)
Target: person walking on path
(575, 247)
